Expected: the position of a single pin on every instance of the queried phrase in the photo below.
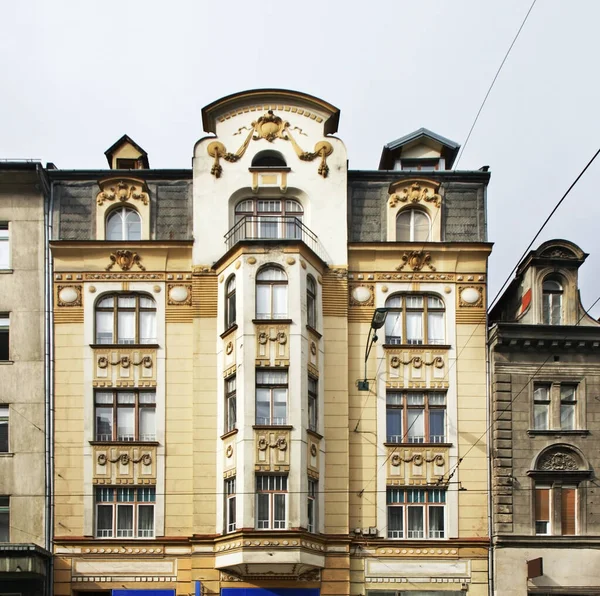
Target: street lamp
(377, 322)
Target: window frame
(276, 485)
(5, 243)
(230, 302)
(555, 404)
(5, 434)
(230, 403)
(117, 506)
(5, 515)
(404, 408)
(311, 302)
(138, 408)
(412, 225)
(271, 387)
(230, 505)
(5, 341)
(555, 497)
(267, 220)
(549, 297)
(312, 502)
(138, 312)
(402, 312)
(313, 403)
(270, 314)
(426, 502)
(122, 211)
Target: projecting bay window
(555, 509)
(125, 416)
(125, 512)
(415, 417)
(271, 502)
(230, 505)
(416, 513)
(126, 319)
(271, 397)
(415, 319)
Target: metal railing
(268, 228)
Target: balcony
(252, 228)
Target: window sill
(124, 443)
(418, 346)
(124, 346)
(6, 362)
(272, 426)
(228, 331)
(6, 271)
(425, 445)
(558, 433)
(313, 330)
(6, 454)
(272, 321)
(314, 433)
(229, 433)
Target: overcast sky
(78, 75)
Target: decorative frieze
(412, 465)
(272, 345)
(124, 464)
(124, 367)
(416, 365)
(272, 450)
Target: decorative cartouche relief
(124, 190)
(408, 465)
(418, 191)
(272, 345)
(313, 447)
(313, 353)
(124, 367)
(420, 366)
(70, 295)
(229, 456)
(124, 464)
(125, 259)
(272, 449)
(269, 127)
(558, 461)
(470, 296)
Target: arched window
(552, 293)
(412, 225)
(123, 223)
(271, 293)
(230, 302)
(415, 319)
(269, 219)
(311, 302)
(268, 159)
(126, 319)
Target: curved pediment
(560, 249)
(561, 459)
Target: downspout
(490, 434)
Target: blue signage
(269, 592)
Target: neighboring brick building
(210, 328)
(545, 375)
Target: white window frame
(269, 489)
(123, 212)
(412, 225)
(312, 498)
(230, 505)
(5, 421)
(266, 289)
(116, 506)
(5, 246)
(272, 389)
(400, 498)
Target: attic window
(127, 164)
(269, 159)
(418, 165)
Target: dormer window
(552, 293)
(123, 223)
(269, 159)
(418, 165)
(127, 164)
(412, 225)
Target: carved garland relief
(269, 127)
(123, 190)
(125, 259)
(415, 193)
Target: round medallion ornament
(361, 294)
(178, 293)
(68, 295)
(470, 295)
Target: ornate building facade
(545, 370)
(218, 427)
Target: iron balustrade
(253, 227)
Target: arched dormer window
(123, 223)
(311, 301)
(552, 293)
(125, 319)
(413, 225)
(415, 319)
(269, 219)
(271, 293)
(230, 302)
(269, 159)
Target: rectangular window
(312, 505)
(4, 519)
(230, 404)
(542, 510)
(271, 397)
(541, 407)
(125, 512)
(415, 319)
(3, 429)
(313, 397)
(230, 507)
(568, 405)
(125, 415)
(271, 502)
(4, 336)
(416, 513)
(415, 417)
(4, 246)
(549, 500)
(568, 511)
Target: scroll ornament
(416, 260)
(125, 362)
(279, 443)
(269, 127)
(124, 459)
(417, 362)
(415, 194)
(125, 259)
(417, 459)
(122, 191)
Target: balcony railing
(266, 228)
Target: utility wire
(493, 83)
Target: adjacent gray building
(545, 408)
